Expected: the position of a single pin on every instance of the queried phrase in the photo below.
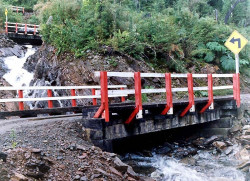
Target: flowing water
(206, 165)
(17, 75)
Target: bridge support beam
(138, 99)
(210, 103)
(169, 107)
(191, 106)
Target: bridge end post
(236, 88)
(104, 97)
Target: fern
(227, 62)
(209, 56)
(215, 46)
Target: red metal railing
(27, 29)
(168, 90)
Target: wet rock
(188, 161)
(228, 150)
(245, 137)
(244, 142)
(119, 165)
(131, 172)
(246, 132)
(244, 165)
(114, 171)
(219, 144)
(156, 175)
(235, 129)
(84, 178)
(246, 127)
(199, 142)
(243, 154)
(163, 150)
(18, 177)
(3, 156)
(147, 179)
(211, 139)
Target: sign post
(6, 14)
(236, 43)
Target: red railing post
(190, 106)
(73, 93)
(17, 10)
(138, 99)
(20, 95)
(16, 28)
(169, 96)
(50, 103)
(104, 97)
(94, 99)
(23, 10)
(6, 27)
(236, 88)
(25, 31)
(34, 29)
(122, 98)
(210, 94)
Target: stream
(203, 165)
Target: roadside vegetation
(167, 34)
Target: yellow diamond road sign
(236, 42)
(6, 12)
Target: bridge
(23, 33)
(107, 120)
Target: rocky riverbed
(58, 151)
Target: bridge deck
(113, 107)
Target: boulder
(119, 165)
(18, 177)
(211, 139)
(235, 128)
(245, 137)
(219, 144)
(3, 156)
(244, 165)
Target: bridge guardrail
(50, 97)
(105, 93)
(20, 28)
(17, 9)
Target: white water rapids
(17, 75)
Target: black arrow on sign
(234, 40)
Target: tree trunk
(231, 10)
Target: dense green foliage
(12, 16)
(172, 34)
(28, 4)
